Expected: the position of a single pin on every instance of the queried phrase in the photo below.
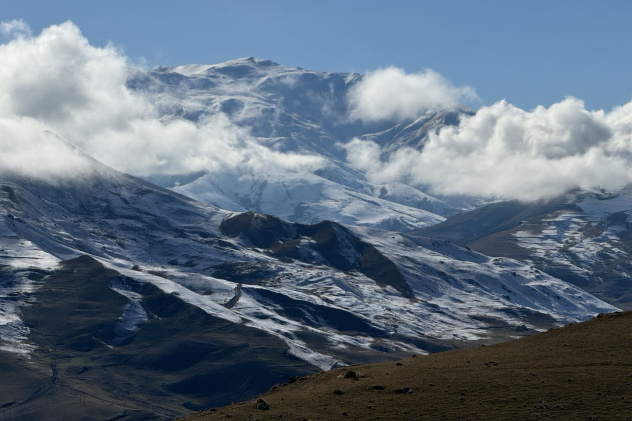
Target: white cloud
(28, 149)
(57, 81)
(149, 146)
(503, 151)
(392, 94)
(14, 29)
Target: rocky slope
(583, 238)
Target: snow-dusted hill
(295, 110)
(582, 237)
(310, 198)
(323, 294)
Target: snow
(134, 314)
(596, 210)
(307, 198)
(490, 285)
(19, 255)
(295, 110)
(18, 252)
(583, 241)
(563, 231)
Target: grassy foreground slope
(579, 372)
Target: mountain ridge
(582, 238)
(299, 111)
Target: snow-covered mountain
(311, 198)
(143, 298)
(582, 238)
(295, 110)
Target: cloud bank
(56, 81)
(505, 152)
(392, 94)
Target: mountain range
(296, 110)
(132, 298)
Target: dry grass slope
(579, 372)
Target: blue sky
(528, 52)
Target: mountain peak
(236, 68)
(261, 62)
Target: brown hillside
(579, 372)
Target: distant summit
(295, 110)
(234, 68)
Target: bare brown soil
(579, 372)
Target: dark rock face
(331, 241)
(261, 230)
(351, 375)
(262, 405)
